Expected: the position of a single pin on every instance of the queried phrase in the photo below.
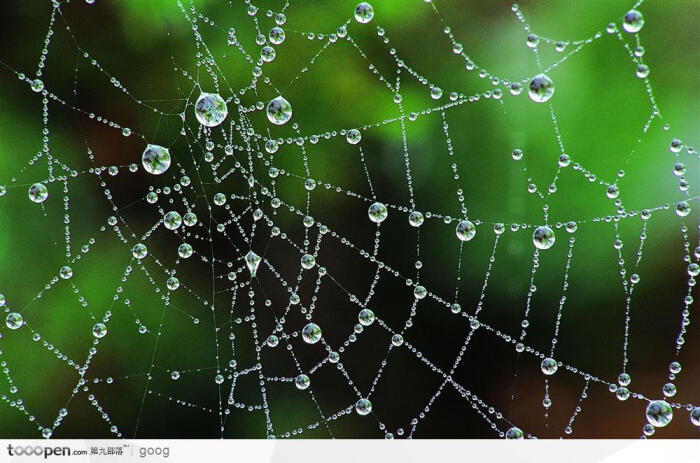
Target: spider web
(420, 328)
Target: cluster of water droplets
(211, 110)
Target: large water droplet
(377, 212)
(279, 111)
(308, 261)
(514, 433)
(353, 136)
(366, 317)
(210, 109)
(416, 219)
(659, 413)
(622, 393)
(14, 321)
(37, 85)
(543, 237)
(155, 159)
(252, 261)
(633, 21)
(311, 333)
(465, 230)
(302, 382)
(277, 35)
(38, 193)
(65, 272)
(549, 366)
(172, 220)
(139, 251)
(541, 88)
(695, 416)
(185, 250)
(682, 209)
(99, 330)
(172, 283)
(364, 13)
(363, 407)
(268, 54)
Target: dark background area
(601, 109)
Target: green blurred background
(601, 108)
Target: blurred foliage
(601, 109)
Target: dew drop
(642, 71)
(277, 35)
(279, 111)
(532, 41)
(366, 317)
(549, 366)
(139, 251)
(543, 237)
(185, 250)
(37, 85)
(363, 407)
(420, 292)
(302, 382)
(172, 220)
(14, 321)
(465, 230)
(377, 212)
(364, 13)
(682, 209)
(38, 193)
(612, 192)
(695, 416)
(155, 159)
(311, 333)
(268, 54)
(66, 272)
(633, 21)
(252, 261)
(541, 88)
(515, 433)
(415, 218)
(308, 261)
(564, 160)
(622, 393)
(172, 283)
(659, 413)
(210, 109)
(272, 341)
(99, 330)
(669, 390)
(353, 136)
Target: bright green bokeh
(600, 107)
